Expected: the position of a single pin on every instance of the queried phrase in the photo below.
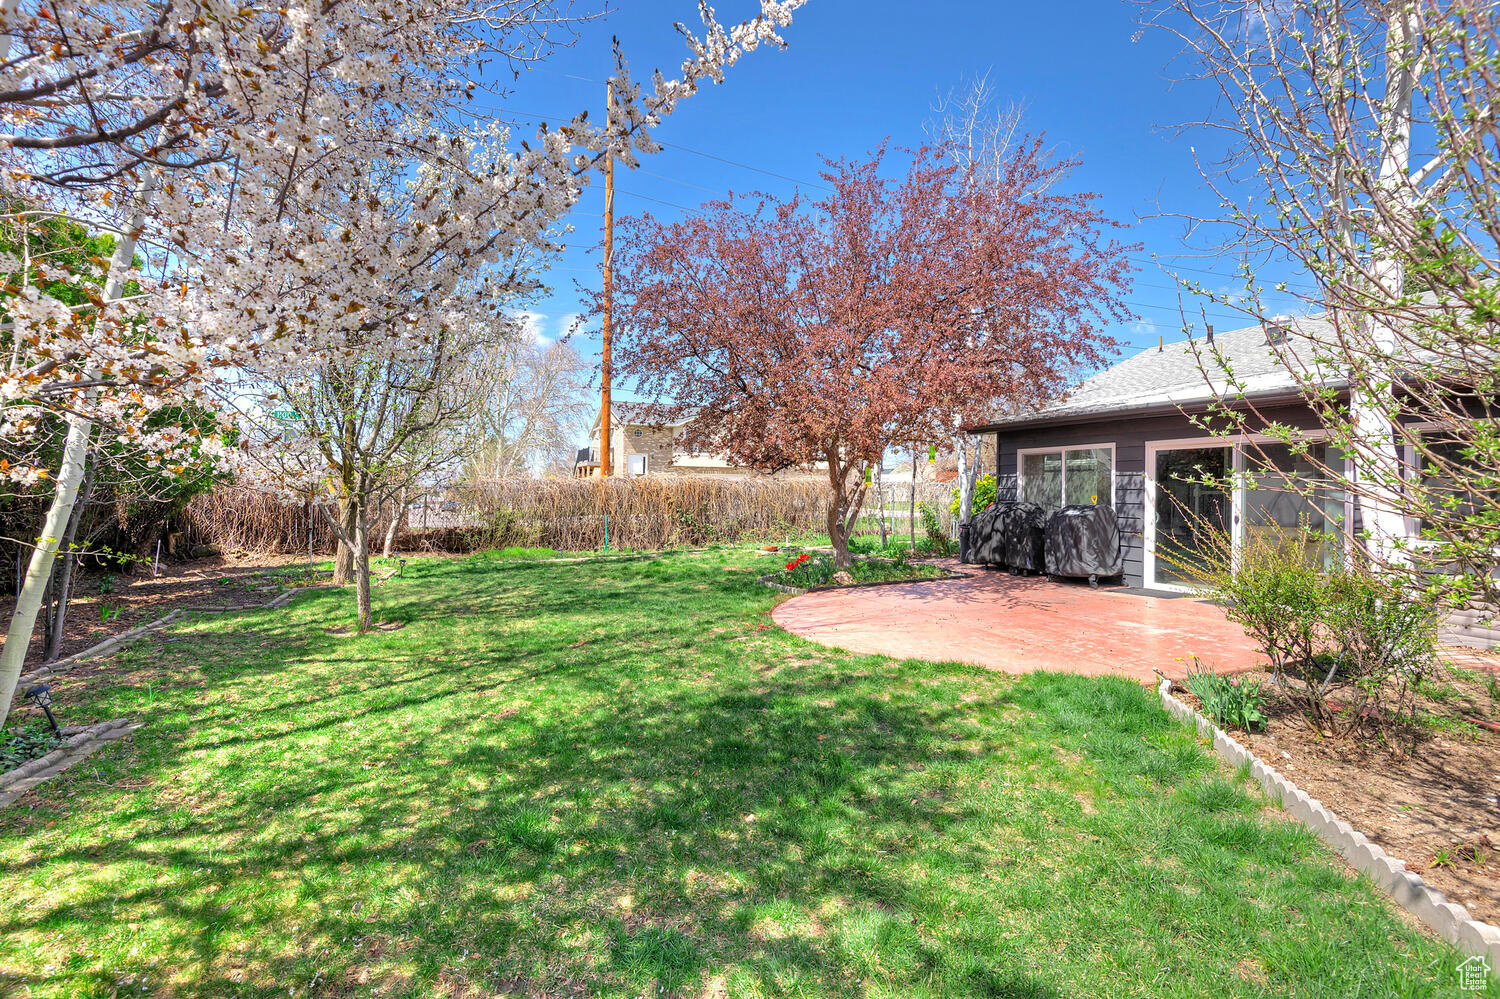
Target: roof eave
(1189, 407)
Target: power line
(659, 201)
(1184, 313)
(674, 180)
(745, 166)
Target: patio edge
(1448, 920)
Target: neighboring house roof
(637, 414)
(1173, 377)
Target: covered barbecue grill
(1084, 541)
(985, 539)
(1024, 533)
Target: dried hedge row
(234, 519)
(566, 514)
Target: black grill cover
(984, 536)
(1083, 541)
(1025, 536)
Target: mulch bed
(142, 598)
(1428, 798)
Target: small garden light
(41, 696)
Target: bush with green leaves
(984, 493)
(1231, 701)
(939, 543)
(1347, 641)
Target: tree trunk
(362, 567)
(64, 588)
(29, 601)
(343, 559)
(838, 508)
(965, 487)
(397, 515)
(69, 477)
(911, 519)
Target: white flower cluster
(304, 186)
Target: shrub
(1343, 629)
(25, 745)
(984, 494)
(1231, 701)
(939, 543)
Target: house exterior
(1126, 437)
(646, 445)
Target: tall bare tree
(980, 132)
(533, 410)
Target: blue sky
(858, 72)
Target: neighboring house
(1125, 437)
(644, 445)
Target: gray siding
(1129, 437)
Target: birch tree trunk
(70, 475)
(911, 518)
(70, 561)
(397, 516)
(965, 481)
(39, 571)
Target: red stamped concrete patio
(1017, 624)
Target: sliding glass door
(1209, 499)
(1192, 518)
(1292, 498)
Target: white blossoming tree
(252, 154)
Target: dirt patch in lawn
(1433, 802)
(108, 603)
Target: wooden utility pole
(605, 458)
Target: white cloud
(532, 324)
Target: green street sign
(285, 414)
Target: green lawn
(618, 778)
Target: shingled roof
(1172, 376)
(639, 414)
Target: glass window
(1293, 488)
(1073, 476)
(1087, 478)
(1041, 479)
(1454, 480)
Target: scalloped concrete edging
(78, 745)
(1448, 920)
